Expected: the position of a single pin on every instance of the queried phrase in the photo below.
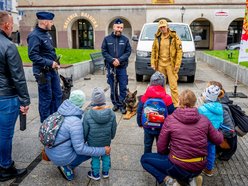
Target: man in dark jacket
(42, 53)
(116, 51)
(14, 96)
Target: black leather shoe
(115, 108)
(10, 173)
(123, 110)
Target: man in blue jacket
(116, 50)
(42, 53)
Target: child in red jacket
(155, 90)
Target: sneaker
(115, 108)
(196, 181)
(93, 176)
(11, 172)
(123, 110)
(208, 173)
(66, 172)
(105, 174)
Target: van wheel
(139, 78)
(191, 79)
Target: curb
(224, 66)
(78, 70)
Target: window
(1, 5)
(8, 4)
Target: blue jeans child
(149, 136)
(9, 110)
(95, 164)
(211, 156)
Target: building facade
(80, 24)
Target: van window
(148, 32)
(182, 31)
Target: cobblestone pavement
(127, 147)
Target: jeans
(160, 166)
(211, 156)
(9, 110)
(95, 163)
(78, 160)
(50, 94)
(149, 136)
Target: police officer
(42, 53)
(116, 50)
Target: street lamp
(182, 9)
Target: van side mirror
(197, 38)
(135, 38)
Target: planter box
(78, 70)
(224, 66)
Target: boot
(11, 172)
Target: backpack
(240, 119)
(49, 129)
(153, 114)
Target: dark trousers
(160, 166)
(118, 88)
(50, 94)
(149, 136)
(226, 154)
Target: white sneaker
(197, 181)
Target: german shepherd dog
(131, 104)
(67, 83)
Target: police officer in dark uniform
(42, 53)
(116, 50)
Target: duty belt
(192, 160)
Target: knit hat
(77, 97)
(98, 97)
(211, 93)
(157, 79)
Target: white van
(144, 48)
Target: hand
(24, 110)
(116, 62)
(55, 65)
(176, 69)
(107, 150)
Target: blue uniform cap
(45, 15)
(118, 21)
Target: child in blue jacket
(213, 110)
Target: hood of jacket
(154, 92)
(171, 33)
(212, 107)
(226, 100)
(101, 116)
(187, 115)
(69, 109)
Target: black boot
(10, 173)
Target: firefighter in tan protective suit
(167, 56)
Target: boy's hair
(216, 83)
(187, 98)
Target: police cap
(118, 21)
(45, 15)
